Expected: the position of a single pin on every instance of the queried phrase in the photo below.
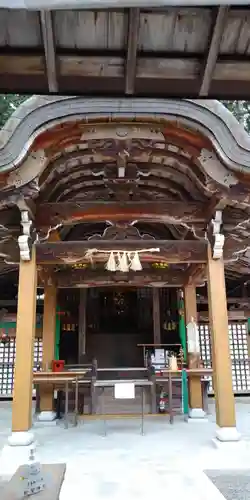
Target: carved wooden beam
(235, 248)
(171, 251)
(90, 278)
(50, 214)
(195, 273)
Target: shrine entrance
(116, 324)
(118, 321)
(117, 310)
(127, 209)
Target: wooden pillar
(25, 335)
(82, 324)
(49, 330)
(156, 316)
(195, 390)
(221, 360)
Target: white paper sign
(124, 390)
(159, 358)
(193, 338)
(159, 355)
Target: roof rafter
(132, 47)
(213, 51)
(49, 49)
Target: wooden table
(199, 372)
(111, 383)
(64, 378)
(191, 372)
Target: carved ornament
(217, 238)
(215, 169)
(121, 231)
(24, 240)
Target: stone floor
(124, 464)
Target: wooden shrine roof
(125, 174)
(160, 51)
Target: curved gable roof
(40, 113)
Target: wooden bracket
(24, 240)
(215, 237)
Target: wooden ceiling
(171, 51)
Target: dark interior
(118, 311)
(118, 319)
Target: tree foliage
(241, 110)
(8, 104)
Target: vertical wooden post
(156, 316)
(195, 390)
(49, 330)
(221, 360)
(82, 324)
(25, 335)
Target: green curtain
(248, 324)
(185, 405)
(182, 333)
(182, 328)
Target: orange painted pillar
(25, 335)
(195, 390)
(49, 329)
(221, 359)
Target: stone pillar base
(196, 413)
(46, 416)
(227, 434)
(16, 452)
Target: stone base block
(197, 421)
(21, 438)
(227, 434)
(16, 452)
(46, 416)
(196, 413)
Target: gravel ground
(233, 484)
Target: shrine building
(123, 221)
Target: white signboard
(159, 355)
(193, 338)
(159, 360)
(124, 390)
